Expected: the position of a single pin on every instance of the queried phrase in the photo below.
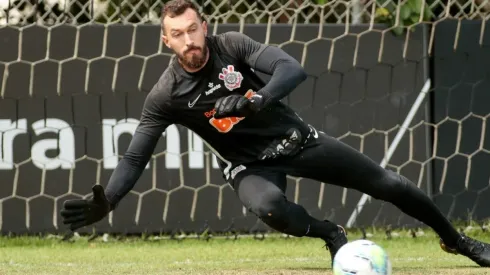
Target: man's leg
(328, 160)
(263, 193)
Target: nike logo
(315, 133)
(191, 104)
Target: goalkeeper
(211, 88)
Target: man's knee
(269, 205)
(277, 212)
(272, 208)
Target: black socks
(322, 229)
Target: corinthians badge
(231, 78)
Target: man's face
(185, 35)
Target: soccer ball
(361, 257)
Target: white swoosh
(315, 133)
(191, 104)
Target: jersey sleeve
(286, 72)
(130, 168)
(156, 116)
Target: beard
(195, 60)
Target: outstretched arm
(130, 168)
(286, 72)
(81, 212)
(155, 118)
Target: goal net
(405, 82)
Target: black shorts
(322, 158)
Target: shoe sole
(447, 249)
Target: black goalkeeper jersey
(188, 99)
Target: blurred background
(74, 75)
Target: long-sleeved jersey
(188, 99)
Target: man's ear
(205, 27)
(165, 40)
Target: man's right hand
(81, 212)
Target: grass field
(274, 255)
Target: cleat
(447, 248)
(334, 245)
(477, 251)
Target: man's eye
(176, 35)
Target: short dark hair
(177, 7)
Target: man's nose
(188, 40)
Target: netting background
(87, 66)
(247, 11)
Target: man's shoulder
(225, 38)
(237, 44)
(229, 35)
(162, 90)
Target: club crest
(232, 78)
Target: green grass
(31, 255)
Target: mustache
(192, 48)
